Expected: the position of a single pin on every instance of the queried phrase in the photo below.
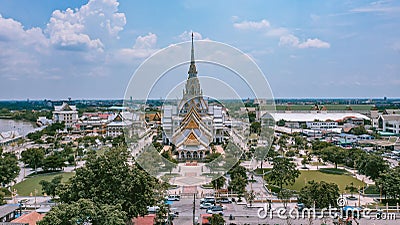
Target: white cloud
(252, 25)
(73, 42)
(314, 43)
(277, 32)
(377, 7)
(293, 41)
(143, 47)
(289, 40)
(88, 27)
(187, 36)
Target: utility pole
(194, 208)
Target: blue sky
(89, 49)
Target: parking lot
(242, 215)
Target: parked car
(153, 209)
(216, 210)
(174, 198)
(206, 205)
(207, 199)
(300, 206)
(224, 200)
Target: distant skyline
(306, 49)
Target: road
(248, 216)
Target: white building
(131, 122)
(322, 124)
(65, 113)
(389, 123)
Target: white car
(174, 198)
(206, 205)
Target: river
(22, 127)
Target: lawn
(340, 180)
(29, 185)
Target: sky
(306, 49)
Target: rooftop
(316, 116)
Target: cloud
(252, 25)
(314, 43)
(277, 32)
(293, 41)
(74, 42)
(377, 7)
(88, 27)
(289, 40)
(187, 36)
(144, 46)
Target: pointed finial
(192, 69)
(192, 55)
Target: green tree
(250, 196)
(304, 161)
(238, 170)
(169, 162)
(238, 185)
(53, 162)
(351, 188)
(284, 172)
(33, 157)
(352, 156)
(216, 219)
(359, 130)
(50, 188)
(285, 195)
(390, 183)
(282, 142)
(218, 183)
(108, 180)
(300, 141)
(372, 166)
(321, 194)
(2, 202)
(281, 123)
(318, 145)
(9, 168)
(85, 211)
(211, 157)
(255, 127)
(333, 154)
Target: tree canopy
(321, 193)
(109, 182)
(51, 187)
(390, 183)
(85, 211)
(372, 166)
(9, 168)
(284, 172)
(33, 157)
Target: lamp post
(35, 197)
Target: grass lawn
(340, 180)
(29, 185)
